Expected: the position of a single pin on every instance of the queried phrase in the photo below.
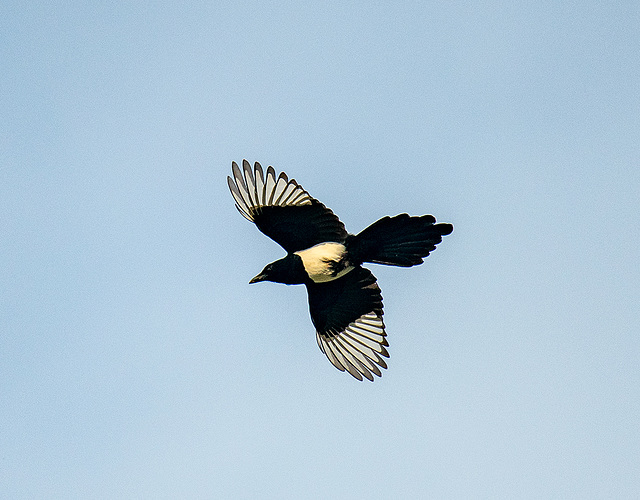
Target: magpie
(345, 301)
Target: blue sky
(136, 360)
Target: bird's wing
(282, 209)
(347, 314)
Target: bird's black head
(288, 270)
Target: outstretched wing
(282, 209)
(347, 314)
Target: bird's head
(288, 270)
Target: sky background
(137, 362)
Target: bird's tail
(397, 241)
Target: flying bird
(345, 301)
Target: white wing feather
(251, 190)
(359, 348)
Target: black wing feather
(347, 313)
(298, 227)
(335, 304)
(282, 209)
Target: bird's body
(344, 299)
(325, 261)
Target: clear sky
(137, 362)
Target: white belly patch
(325, 261)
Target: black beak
(260, 277)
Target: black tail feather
(397, 241)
